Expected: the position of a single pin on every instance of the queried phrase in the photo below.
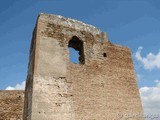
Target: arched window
(76, 50)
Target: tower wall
(99, 88)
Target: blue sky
(132, 23)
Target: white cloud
(158, 82)
(150, 97)
(17, 87)
(151, 60)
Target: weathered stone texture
(11, 105)
(103, 85)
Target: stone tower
(100, 87)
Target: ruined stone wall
(100, 88)
(11, 105)
(103, 89)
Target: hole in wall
(76, 50)
(104, 55)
